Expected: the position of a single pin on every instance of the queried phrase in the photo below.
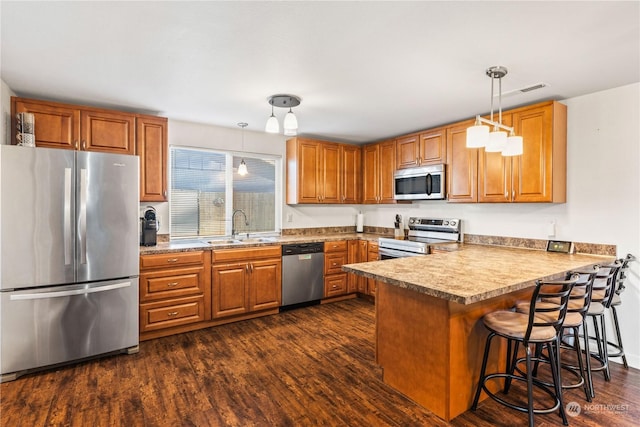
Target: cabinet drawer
(334, 285)
(338, 246)
(171, 259)
(226, 255)
(172, 283)
(175, 312)
(333, 262)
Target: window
(206, 190)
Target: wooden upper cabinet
(421, 149)
(408, 151)
(378, 163)
(462, 165)
(539, 174)
(56, 125)
(152, 148)
(351, 173)
(494, 173)
(107, 131)
(76, 127)
(322, 172)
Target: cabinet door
(335, 284)
(387, 168)
(309, 154)
(56, 126)
(433, 147)
(152, 147)
(330, 171)
(230, 289)
(334, 261)
(370, 166)
(372, 255)
(108, 132)
(363, 249)
(352, 258)
(462, 165)
(351, 172)
(532, 172)
(408, 152)
(494, 174)
(265, 284)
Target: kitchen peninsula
(429, 337)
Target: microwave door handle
(429, 184)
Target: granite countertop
(474, 273)
(224, 243)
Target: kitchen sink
(224, 241)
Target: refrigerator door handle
(67, 217)
(82, 291)
(82, 217)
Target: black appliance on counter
(149, 227)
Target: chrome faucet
(233, 224)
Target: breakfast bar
(429, 337)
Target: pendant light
(242, 169)
(479, 135)
(290, 124)
(272, 124)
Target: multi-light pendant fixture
(495, 140)
(290, 123)
(242, 168)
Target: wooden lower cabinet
(175, 292)
(246, 281)
(336, 254)
(372, 255)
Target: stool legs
(616, 327)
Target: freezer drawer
(47, 326)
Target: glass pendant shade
(290, 121)
(272, 125)
(290, 132)
(242, 169)
(514, 146)
(497, 141)
(477, 136)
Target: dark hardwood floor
(312, 366)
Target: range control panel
(451, 225)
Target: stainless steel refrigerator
(69, 256)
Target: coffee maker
(149, 227)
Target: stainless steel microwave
(424, 183)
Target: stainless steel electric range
(423, 233)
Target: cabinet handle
(506, 194)
(172, 313)
(246, 268)
(251, 268)
(513, 194)
(172, 260)
(334, 264)
(172, 284)
(75, 144)
(165, 193)
(334, 287)
(84, 144)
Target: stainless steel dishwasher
(302, 274)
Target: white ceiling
(365, 70)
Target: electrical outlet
(289, 217)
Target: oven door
(386, 253)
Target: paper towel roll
(359, 222)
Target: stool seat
(571, 319)
(595, 308)
(511, 324)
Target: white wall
(5, 113)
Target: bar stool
(541, 326)
(603, 291)
(616, 301)
(579, 302)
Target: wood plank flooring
(311, 366)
